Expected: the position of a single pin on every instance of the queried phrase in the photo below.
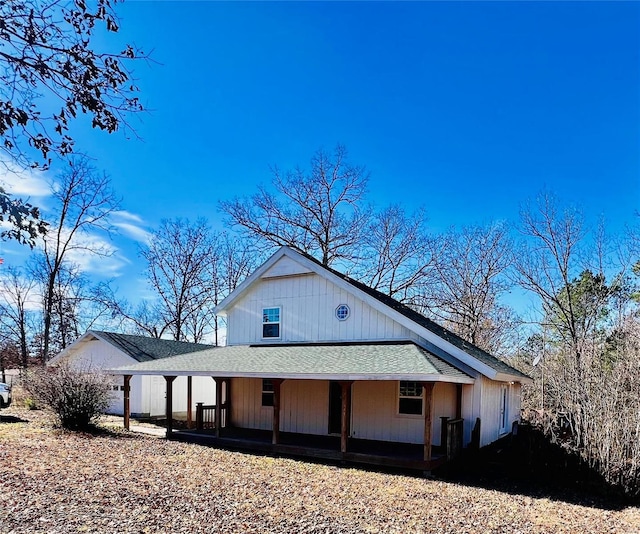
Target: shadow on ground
(529, 464)
(11, 419)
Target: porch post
(218, 405)
(189, 401)
(169, 407)
(427, 388)
(458, 401)
(127, 401)
(227, 402)
(346, 413)
(275, 438)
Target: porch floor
(360, 451)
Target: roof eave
(505, 377)
(419, 377)
(71, 348)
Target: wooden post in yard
(189, 401)
(346, 413)
(427, 388)
(275, 437)
(169, 407)
(127, 401)
(218, 405)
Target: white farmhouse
(318, 364)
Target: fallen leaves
(59, 482)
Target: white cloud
(135, 232)
(131, 225)
(24, 182)
(123, 214)
(103, 266)
(33, 301)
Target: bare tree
(589, 332)
(465, 285)
(234, 259)
(9, 356)
(84, 201)
(17, 292)
(549, 259)
(319, 212)
(177, 259)
(395, 253)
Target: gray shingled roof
(146, 349)
(397, 360)
(479, 354)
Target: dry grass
(53, 481)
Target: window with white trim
(271, 323)
(342, 312)
(410, 398)
(267, 392)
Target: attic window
(271, 323)
(410, 398)
(342, 312)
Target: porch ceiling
(342, 361)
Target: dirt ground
(113, 481)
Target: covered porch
(331, 429)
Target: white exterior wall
(374, 413)
(246, 405)
(148, 393)
(469, 411)
(308, 304)
(304, 408)
(95, 355)
(155, 392)
(490, 409)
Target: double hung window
(271, 323)
(410, 398)
(267, 392)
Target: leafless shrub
(76, 397)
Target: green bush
(30, 404)
(77, 397)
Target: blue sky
(468, 109)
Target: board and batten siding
(304, 408)
(490, 409)
(374, 413)
(96, 355)
(308, 303)
(148, 393)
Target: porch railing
(206, 416)
(451, 436)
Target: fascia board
(301, 376)
(71, 348)
(505, 377)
